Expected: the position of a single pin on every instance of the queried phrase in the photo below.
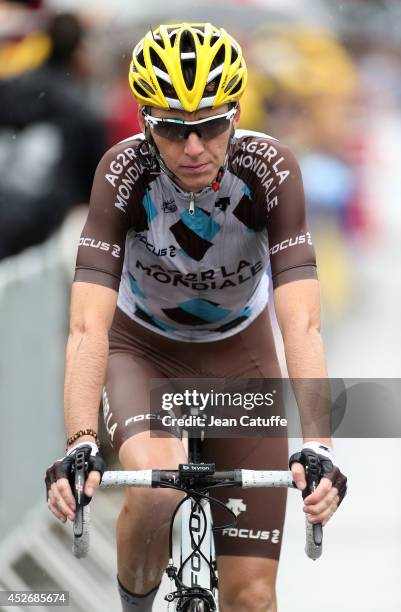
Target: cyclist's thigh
(261, 512)
(126, 396)
(126, 403)
(137, 356)
(143, 451)
(259, 526)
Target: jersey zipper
(191, 203)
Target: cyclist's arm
(296, 296)
(298, 313)
(279, 204)
(297, 306)
(92, 310)
(94, 293)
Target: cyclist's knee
(147, 510)
(150, 507)
(254, 596)
(143, 452)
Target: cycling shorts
(138, 355)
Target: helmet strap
(154, 151)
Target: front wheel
(195, 605)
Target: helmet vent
(156, 61)
(144, 85)
(200, 30)
(218, 58)
(140, 90)
(234, 54)
(215, 38)
(172, 32)
(165, 86)
(213, 85)
(236, 88)
(157, 38)
(140, 59)
(231, 84)
(188, 58)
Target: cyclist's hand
(60, 480)
(320, 504)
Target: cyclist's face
(195, 161)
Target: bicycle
(195, 580)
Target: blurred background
(325, 78)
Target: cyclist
(171, 282)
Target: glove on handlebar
(317, 466)
(64, 468)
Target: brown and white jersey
(197, 277)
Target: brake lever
(313, 476)
(79, 483)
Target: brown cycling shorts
(138, 355)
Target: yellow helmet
(187, 66)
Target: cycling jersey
(197, 277)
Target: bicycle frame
(197, 572)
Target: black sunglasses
(178, 129)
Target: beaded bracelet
(83, 432)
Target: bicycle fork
(196, 580)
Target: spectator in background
(303, 90)
(121, 107)
(24, 45)
(50, 142)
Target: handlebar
(179, 479)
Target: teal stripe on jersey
(204, 310)
(245, 312)
(149, 206)
(201, 223)
(134, 287)
(247, 192)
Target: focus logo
(98, 244)
(141, 417)
(253, 534)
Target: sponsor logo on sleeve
(102, 246)
(291, 242)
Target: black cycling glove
(318, 465)
(64, 468)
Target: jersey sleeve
(101, 247)
(291, 251)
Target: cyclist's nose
(193, 145)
